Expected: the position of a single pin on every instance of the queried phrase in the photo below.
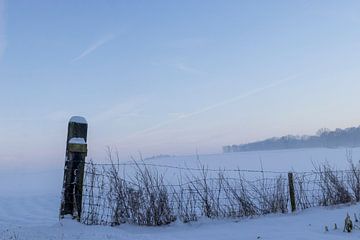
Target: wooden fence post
(292, 191)
(76, 151)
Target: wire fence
(153, 194)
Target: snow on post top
(77, 141)
(78, 119)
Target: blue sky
(170, 77)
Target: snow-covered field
(309, 224)
(30, 199)
(276, 160)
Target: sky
(173, 77)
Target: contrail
(93, 47)
(217, 105)
(239, 97)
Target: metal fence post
(76, 151)
(292, 191)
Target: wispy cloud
(188, 69)
(2, 28)
(93, 47)
(239, 97)
(131, 108)
(250, 93)
(181, 67)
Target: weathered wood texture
(292, 191)
(76, 152)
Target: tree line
(349, 137)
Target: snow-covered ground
(309, 224)
(276, 160)
(30, 199)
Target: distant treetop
(349, 137)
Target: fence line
(103, 193)
(147, 199)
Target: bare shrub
(240, 201)
(209, 191)
(152, 200)
(118, 195)
(146, 201)
(271, 195)
(144, 198)
(353, 176)
(333, 186)
(302, 188)
(186, 203)
(110, 199)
